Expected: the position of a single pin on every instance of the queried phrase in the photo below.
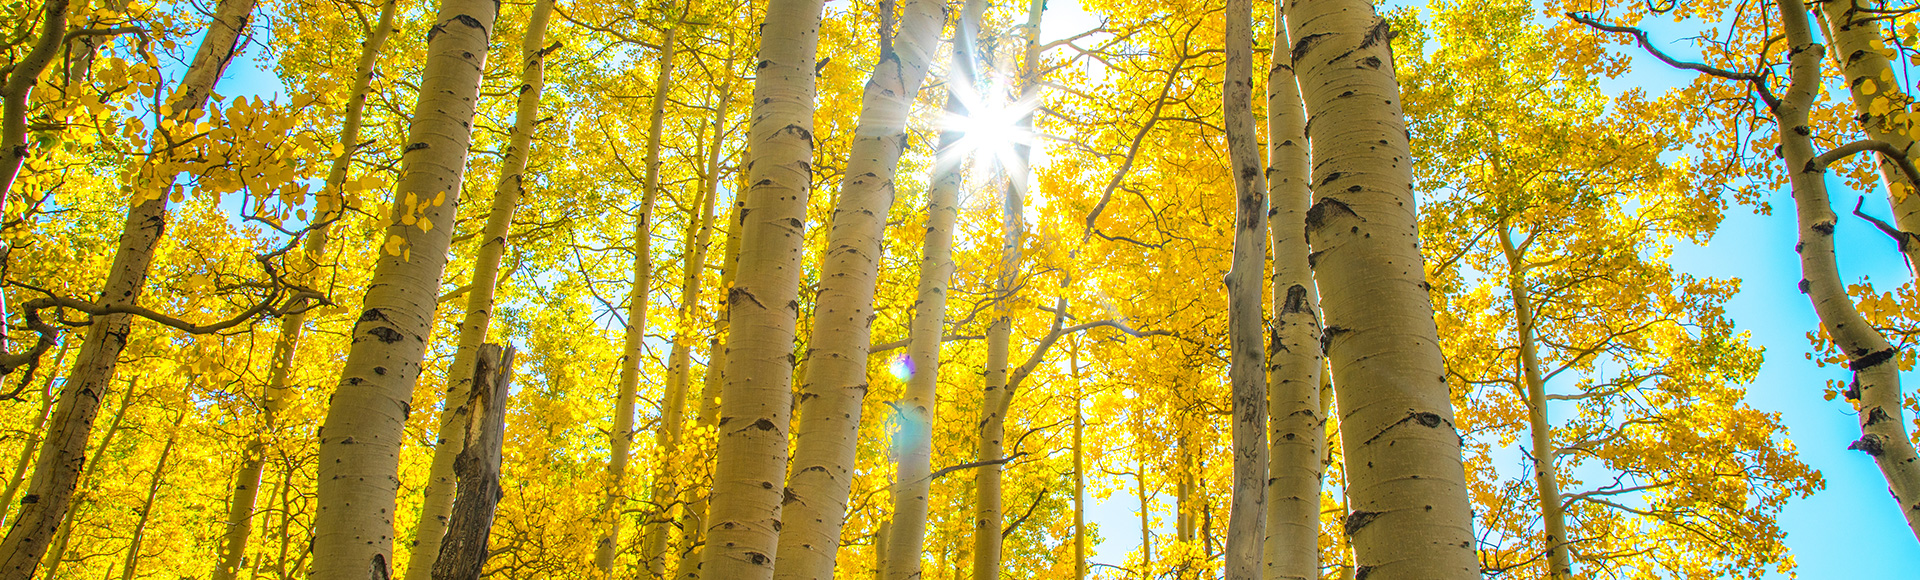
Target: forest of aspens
(959, 289)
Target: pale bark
(365, 425)
(634, 348)
(834, 387)
(18, 87)
(693, 518)
(1296, 420)
(666, 483)
(239, 522)
(743, 524)
(1411, 517)
(1079, 465)
(132, 566)
(1876, 377)
(62, 452)
(1544, 453)
(1854, 32)
(57, 552)
(1246, 514)
(463, 553)
(490, 246)
(913, 444)
(33, 437)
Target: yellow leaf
(426, 225)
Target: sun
(992, 128)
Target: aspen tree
(360, 440)
(1876, 378)
(913, 447)
(692, 519)
(635, 347)
(1079, 464)
(32, 444)
(1545, 450)
(1858, 47)
(1411, 517)
(246, 488)
(127, 571)
(743, 523)
(63, 451)
(1296, 435)
(456, 418)
(653, 544)
(58, 551)
(16, 85)
(834, 387)
(1246, 520)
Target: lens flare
(901, 367)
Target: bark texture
(455, 417)
(743, 524)
(129, 570)
(463, 554)
(1410, 515)
(834, 387)
(693, 518)
(1246, 516)
(1296, 426)
(361, 438)
(63, 452)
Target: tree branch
(1758, 81)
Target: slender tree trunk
(1140, 490)
(490, 248)
(1183, 500)
(1871, 358)
(913, 443)
(62, 452)
(1246, 516)
(835, 382)
(1544, 453)
(1079, 465)
(1296, 414)
(1876, 94)
(743, 524)
(239, 523)
(634, 349)
(18, 86)
(463, 553)
(146, 507)
(998, 394)
(1411, 518)
(33, 438)
(365, 424)
(667, 482)
(58, 551)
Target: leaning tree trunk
(246, 488)
(667, 474)
(32, 443)
(1246, 516)
(634, 348)
(62, 453)
(1876, 373)
(18, 87)
(1876, 94)
(360, 441)
(455, 416)
(1553, 512)
(1296, 426)
(1411, 518)
(835, 385)
(918, 400)
(743, 524)
(57, 552)
(463, 552)
(146, 508)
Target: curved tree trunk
(913, 444)
(835, 384)
(246, 488)
(634, 348)
(456, 419)
(1411, 517)
(365, 425)
(62, 452)
(1297, 425)
(18, 87)
(1246, 516)
(128, 571)
(743, 524)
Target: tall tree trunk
(834, 387)
(1411, 518)
(634, 349)
(913, 444)
(692, 519)
(1296, 418)
(1871, 358)
(1140, 488)
(62, 452)
(463, 553)
(58, 551)
(455, 417)
(667, 482)
(246, 488)
(998, 394)
(33, 437)
(1544, 452)
(743, 524)
(18, 87)
(365, 424)
(1246, 516)
(1079, 465)
(1876, 94)
(146, 507)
